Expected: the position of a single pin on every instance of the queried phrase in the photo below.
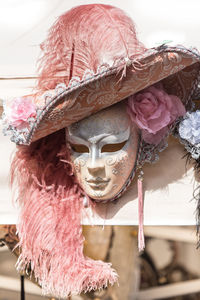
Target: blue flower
(189, 128)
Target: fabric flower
(19, 111)
(189, 128)
(152, 110)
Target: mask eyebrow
(76, 139)
(116, 138)
(100, 139)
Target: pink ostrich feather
(50, 229)
(86, 37)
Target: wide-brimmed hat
(92, 64)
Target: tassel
(141, 242)
(85, 202)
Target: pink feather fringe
(86, 37)
(50, 232)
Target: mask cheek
(79, 165)
(120, 169)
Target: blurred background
(169, 268)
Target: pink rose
(153, 110)
(20, 110)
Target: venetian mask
(104, 151)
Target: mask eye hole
(79, 148)
(113, 147)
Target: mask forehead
(110, 121)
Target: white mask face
(104, 151)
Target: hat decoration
(91, 60)
(189, 133)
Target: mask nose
(96, 170)
(96, 167)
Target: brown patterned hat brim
(177, 67)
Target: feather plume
(50, 230)
(86, 37)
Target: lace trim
(21, 136)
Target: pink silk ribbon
(141, 242)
